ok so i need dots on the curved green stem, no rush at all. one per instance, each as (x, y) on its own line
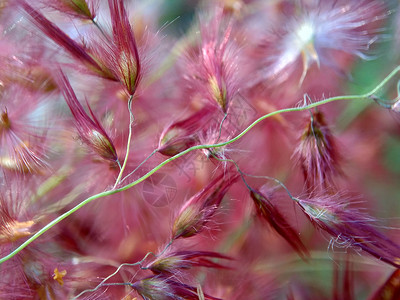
(167, 161)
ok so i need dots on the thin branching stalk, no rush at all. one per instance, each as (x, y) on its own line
(128, 144)
(139, 263)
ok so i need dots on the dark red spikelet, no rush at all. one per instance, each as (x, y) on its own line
(89, 128)
(215, 70)
(63, 40)
(267, 211)
(127, 62)
(317, 155)
(184, 134)
(349, 227)
(199, 209)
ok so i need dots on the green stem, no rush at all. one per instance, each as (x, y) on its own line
(158, 167)
(128, 144)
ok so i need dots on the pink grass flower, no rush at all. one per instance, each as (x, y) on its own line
(90, 130)
(321, 31)
(125, 55)
(184, 134)
(349, 227)
(267, 211)
(173, 262)
(317, 155)
(213, 71)
(198, 210)
(160, 287)
(73, 48)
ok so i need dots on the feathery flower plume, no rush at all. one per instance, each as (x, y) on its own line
(213, 70)
(198, 210)
(89, 128)
(266, 210)
(317, 154)
(172, 262)
(182, 135)
(319, 32)
(125, 55)
(160, 287)
(349, 227)
(69, 45)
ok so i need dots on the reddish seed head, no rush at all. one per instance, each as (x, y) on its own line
(317, 155)
(125, 60)
(267, 211)
(213, 71)
(63, 40)
(199, 209)
(182, 135)
(350, 227)
(89, 128)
